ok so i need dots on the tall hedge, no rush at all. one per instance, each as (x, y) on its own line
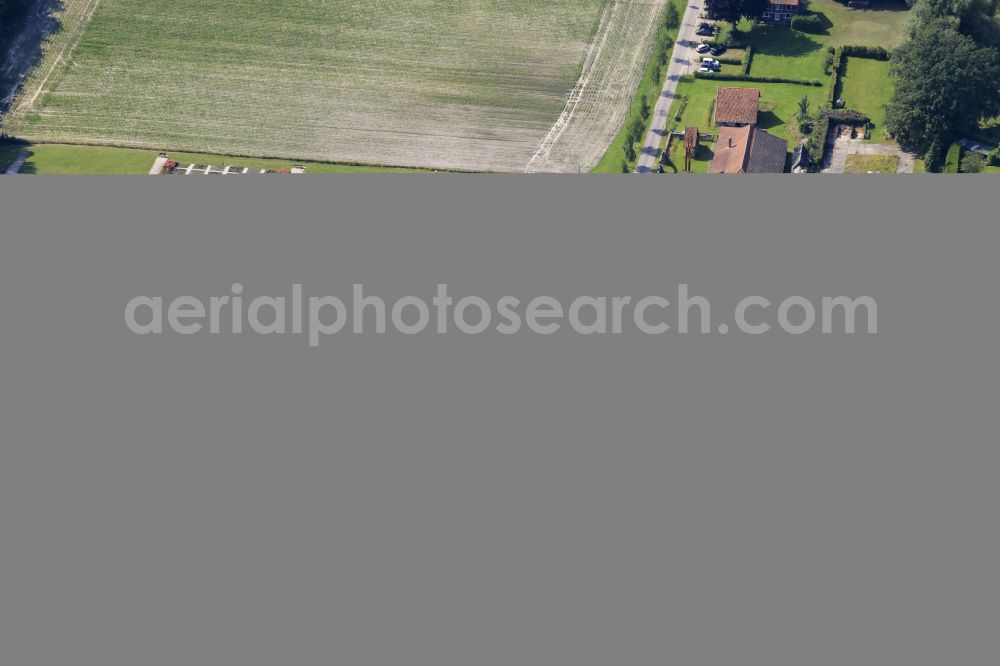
(721, 76)
(870, 52)
(811, 23)
(838, 66)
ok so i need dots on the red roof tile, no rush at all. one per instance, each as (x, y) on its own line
(737, 105)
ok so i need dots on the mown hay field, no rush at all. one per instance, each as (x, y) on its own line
(462, 84)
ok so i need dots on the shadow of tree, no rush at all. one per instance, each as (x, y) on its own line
(782, 41)
(704, 153)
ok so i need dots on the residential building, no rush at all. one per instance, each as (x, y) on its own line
(782, 11)
(748, 149)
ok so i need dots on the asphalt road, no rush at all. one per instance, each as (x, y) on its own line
(681, 62)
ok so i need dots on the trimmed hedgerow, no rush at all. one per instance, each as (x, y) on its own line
(716, 76)
(870, 52)
(748, 61)
(811, 23)
(836, 69)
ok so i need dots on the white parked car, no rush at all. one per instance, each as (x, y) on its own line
(706, 70)
(703, 48)
(710, 62)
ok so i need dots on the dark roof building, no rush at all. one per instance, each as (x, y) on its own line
(748, 150)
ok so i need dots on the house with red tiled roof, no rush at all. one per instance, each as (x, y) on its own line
(735, 107)
(748, 149)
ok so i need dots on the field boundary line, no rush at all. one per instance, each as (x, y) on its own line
(69, 46)
(590, 61)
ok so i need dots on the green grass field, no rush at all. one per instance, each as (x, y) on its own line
(50, 159)
(791, 54)
(871, 163)
(467, 84)
(865, 86)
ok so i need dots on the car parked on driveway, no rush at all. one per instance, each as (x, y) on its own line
(710, 62)
(703, 48)
(717, 51)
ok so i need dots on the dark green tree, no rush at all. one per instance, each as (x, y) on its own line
(630, 152)
(944, 85)
(672, 17)
(975, 18)
(734, 10)
(727, 10)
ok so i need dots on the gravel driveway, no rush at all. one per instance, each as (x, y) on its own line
(835, 160)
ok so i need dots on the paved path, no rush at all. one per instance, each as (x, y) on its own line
(15, 166)
(681, 62)
(158, 165)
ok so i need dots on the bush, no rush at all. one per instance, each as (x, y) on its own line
(846, 116)
(811, 23)
(995, 157)
(716, 76)
(951, 162)
(817, 140)
(973, 162)
(828, 60)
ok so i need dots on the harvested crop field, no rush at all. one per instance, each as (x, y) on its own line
(463, 84)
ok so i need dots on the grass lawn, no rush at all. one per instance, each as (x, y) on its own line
(783, 52)
(870, 163)
(779, 103)
(63, 159)
(880, 26)
(866, 87)
(992, 169)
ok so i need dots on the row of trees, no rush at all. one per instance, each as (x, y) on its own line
(947, 75)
